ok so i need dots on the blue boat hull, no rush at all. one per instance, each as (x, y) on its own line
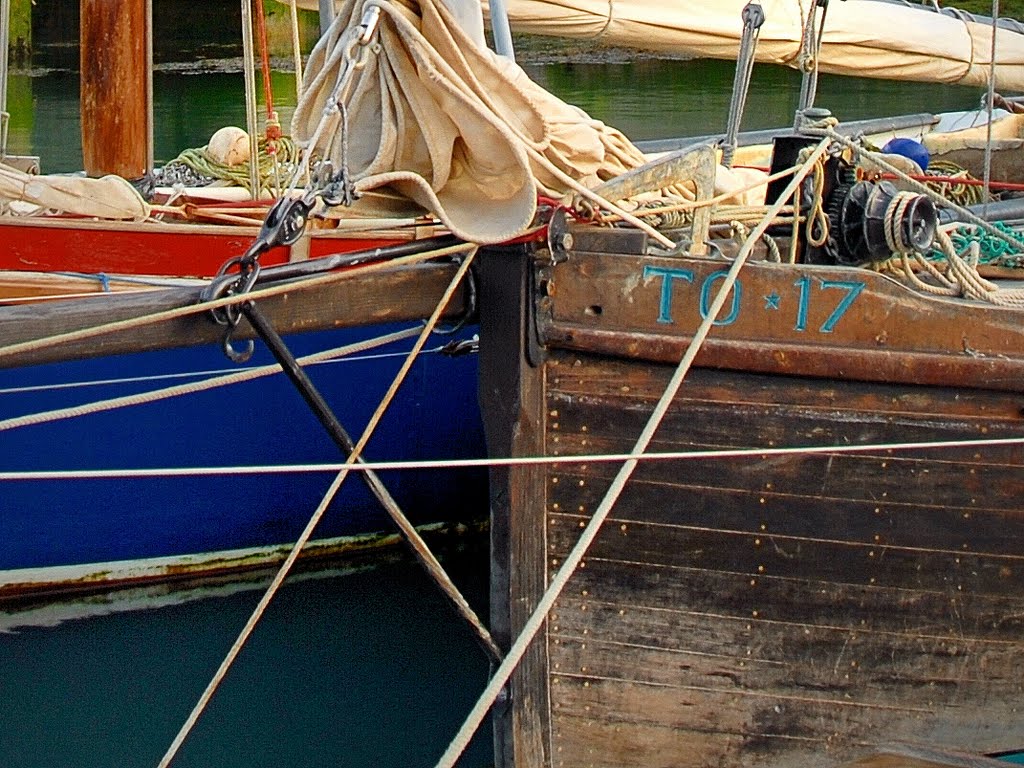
(83, 526)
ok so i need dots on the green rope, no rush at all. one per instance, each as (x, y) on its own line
(993, 250)
(274, 168)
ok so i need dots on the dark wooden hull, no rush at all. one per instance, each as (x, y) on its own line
(794, 610)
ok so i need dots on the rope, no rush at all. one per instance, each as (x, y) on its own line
(315, 519)
(891, 222)
(284, 152)
(519, 461)
(991, 251)
(561, 578)
(961, 278)
(740, 229)
(954, 183)
(215, 382)
(296, 46)
(991, 101)
(816, 218)
(268, 91)
(249, 72)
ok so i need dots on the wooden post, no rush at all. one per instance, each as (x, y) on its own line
(116, 99)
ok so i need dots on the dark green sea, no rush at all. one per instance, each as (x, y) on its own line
(362, 668)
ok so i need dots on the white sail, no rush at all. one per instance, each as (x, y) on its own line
(864, 38)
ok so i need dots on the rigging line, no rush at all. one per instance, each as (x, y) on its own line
(296, 47)
(194, 387)
(572, 561)
(990, 105)
(398, 465)
(195, 309)
(343, 356)
(307, 532)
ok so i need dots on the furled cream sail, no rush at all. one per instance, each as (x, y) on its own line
(864, 38)
(110, 197)
(447, 123)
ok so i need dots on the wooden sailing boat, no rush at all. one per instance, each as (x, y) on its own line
(757, 489)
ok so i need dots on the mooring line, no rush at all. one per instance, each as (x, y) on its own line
(194, 387)
(572, 561)
(518, 461)
(211, 372)
(307, 532)
(193, 309)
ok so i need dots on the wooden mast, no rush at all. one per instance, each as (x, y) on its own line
(115, 87)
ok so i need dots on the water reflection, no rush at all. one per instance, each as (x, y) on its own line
(645, 98)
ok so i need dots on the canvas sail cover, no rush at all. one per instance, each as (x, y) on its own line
(863, 38)
(444, 121)
(110, 197)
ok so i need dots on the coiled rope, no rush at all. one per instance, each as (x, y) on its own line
(959, 279)
(272, 165)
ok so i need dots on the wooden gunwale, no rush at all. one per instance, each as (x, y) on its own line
(352, 302)
(160, 248)
(613, 305)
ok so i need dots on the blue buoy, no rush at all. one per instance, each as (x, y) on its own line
(915, 150)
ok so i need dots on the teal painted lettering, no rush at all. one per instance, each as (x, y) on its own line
(804, 284)
(852, 289)
(706, 298)
(668, 275)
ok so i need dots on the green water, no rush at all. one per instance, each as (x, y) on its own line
(365, 669)
(645, 98)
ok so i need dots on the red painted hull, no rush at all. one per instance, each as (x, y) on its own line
(173, 250)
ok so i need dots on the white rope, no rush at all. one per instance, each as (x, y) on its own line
(519, 461)
(194, 387)
(572, 561)
(193, 375)
(307, 532)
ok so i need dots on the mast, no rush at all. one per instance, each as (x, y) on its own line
(116, 89)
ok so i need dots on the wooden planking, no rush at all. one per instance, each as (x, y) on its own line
(607, 722)
(928, 610)
(778, 607)
(768, 510)
(823, 558)
(666, 646)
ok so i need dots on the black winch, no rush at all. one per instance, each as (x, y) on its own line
(859, 212)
